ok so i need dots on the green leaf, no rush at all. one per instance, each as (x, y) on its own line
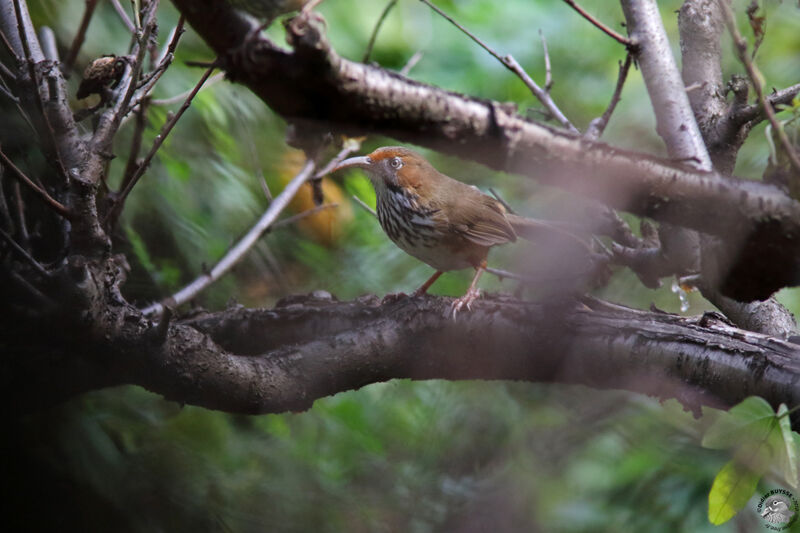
(788, 450)
(733, 486)
(752, 418)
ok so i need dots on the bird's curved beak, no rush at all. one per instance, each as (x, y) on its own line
(363, 162)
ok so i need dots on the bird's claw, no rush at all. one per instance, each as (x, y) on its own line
(464, 301)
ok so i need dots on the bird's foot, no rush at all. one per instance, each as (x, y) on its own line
(465, 301)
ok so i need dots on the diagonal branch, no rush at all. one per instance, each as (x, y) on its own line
(240, 249)
(599, 25)
(513, 65)
(42, 194)
(119, 201)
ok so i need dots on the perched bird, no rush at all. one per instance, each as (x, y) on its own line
(102, 75)
(442, 222)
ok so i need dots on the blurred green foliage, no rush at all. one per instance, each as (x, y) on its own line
(398, 456)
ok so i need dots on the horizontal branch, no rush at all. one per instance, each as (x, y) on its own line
(312, 83)
(310, 347)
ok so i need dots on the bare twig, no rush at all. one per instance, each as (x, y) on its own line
(500, 199)
(376, 29)
(411, 63)
(8, 47)
(740, 44)
(216, 78)
(349, 146)
(41, 193)
(136, 145)
(548, 75)
(123, 16)
(80, 36)
(598, 125)
(755, 112)
(364, 205)
(240, 249)
(511, 64)
(119, 202)
(23, 254)
(605, 29)
(138, 62)
(305, 214)
(165, 58)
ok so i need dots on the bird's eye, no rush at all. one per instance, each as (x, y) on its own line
(396, 162)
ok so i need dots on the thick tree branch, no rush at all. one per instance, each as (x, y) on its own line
(307, 348)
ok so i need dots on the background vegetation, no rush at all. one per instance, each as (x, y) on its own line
(398, 456)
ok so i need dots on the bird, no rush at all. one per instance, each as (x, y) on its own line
(102, 75)
(441, 221)
(777, 510)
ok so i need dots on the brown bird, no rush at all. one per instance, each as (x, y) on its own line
(442, 222)
(102, 75)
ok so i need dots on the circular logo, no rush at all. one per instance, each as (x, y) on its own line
(778, 509)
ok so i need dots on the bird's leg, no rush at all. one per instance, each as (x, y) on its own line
(472, 293)
(425, 286)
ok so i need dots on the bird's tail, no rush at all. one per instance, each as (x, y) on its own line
(536, 230)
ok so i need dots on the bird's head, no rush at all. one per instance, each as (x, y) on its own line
(393, 167)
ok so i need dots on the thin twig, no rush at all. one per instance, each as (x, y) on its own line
(216, 78)
(241, 248)
(500, 199)
(364, 205)
(9, 48)
(119, 202)
(80, 36)
(23, 254)
(141, 38)
(598, 125)
(548, 75)
(740, 44)
(511, 64)
(605, 29)
(411, 63)
(4, 71)
(41, 193)
(165, 58)
(136, 144)
(123, 16)
(745, 114)
(137, 18)
(509, 275)
(376, 29)
(300, 216)
(349, 146)
(148, 83)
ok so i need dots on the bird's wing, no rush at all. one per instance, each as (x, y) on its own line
(480, 218)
